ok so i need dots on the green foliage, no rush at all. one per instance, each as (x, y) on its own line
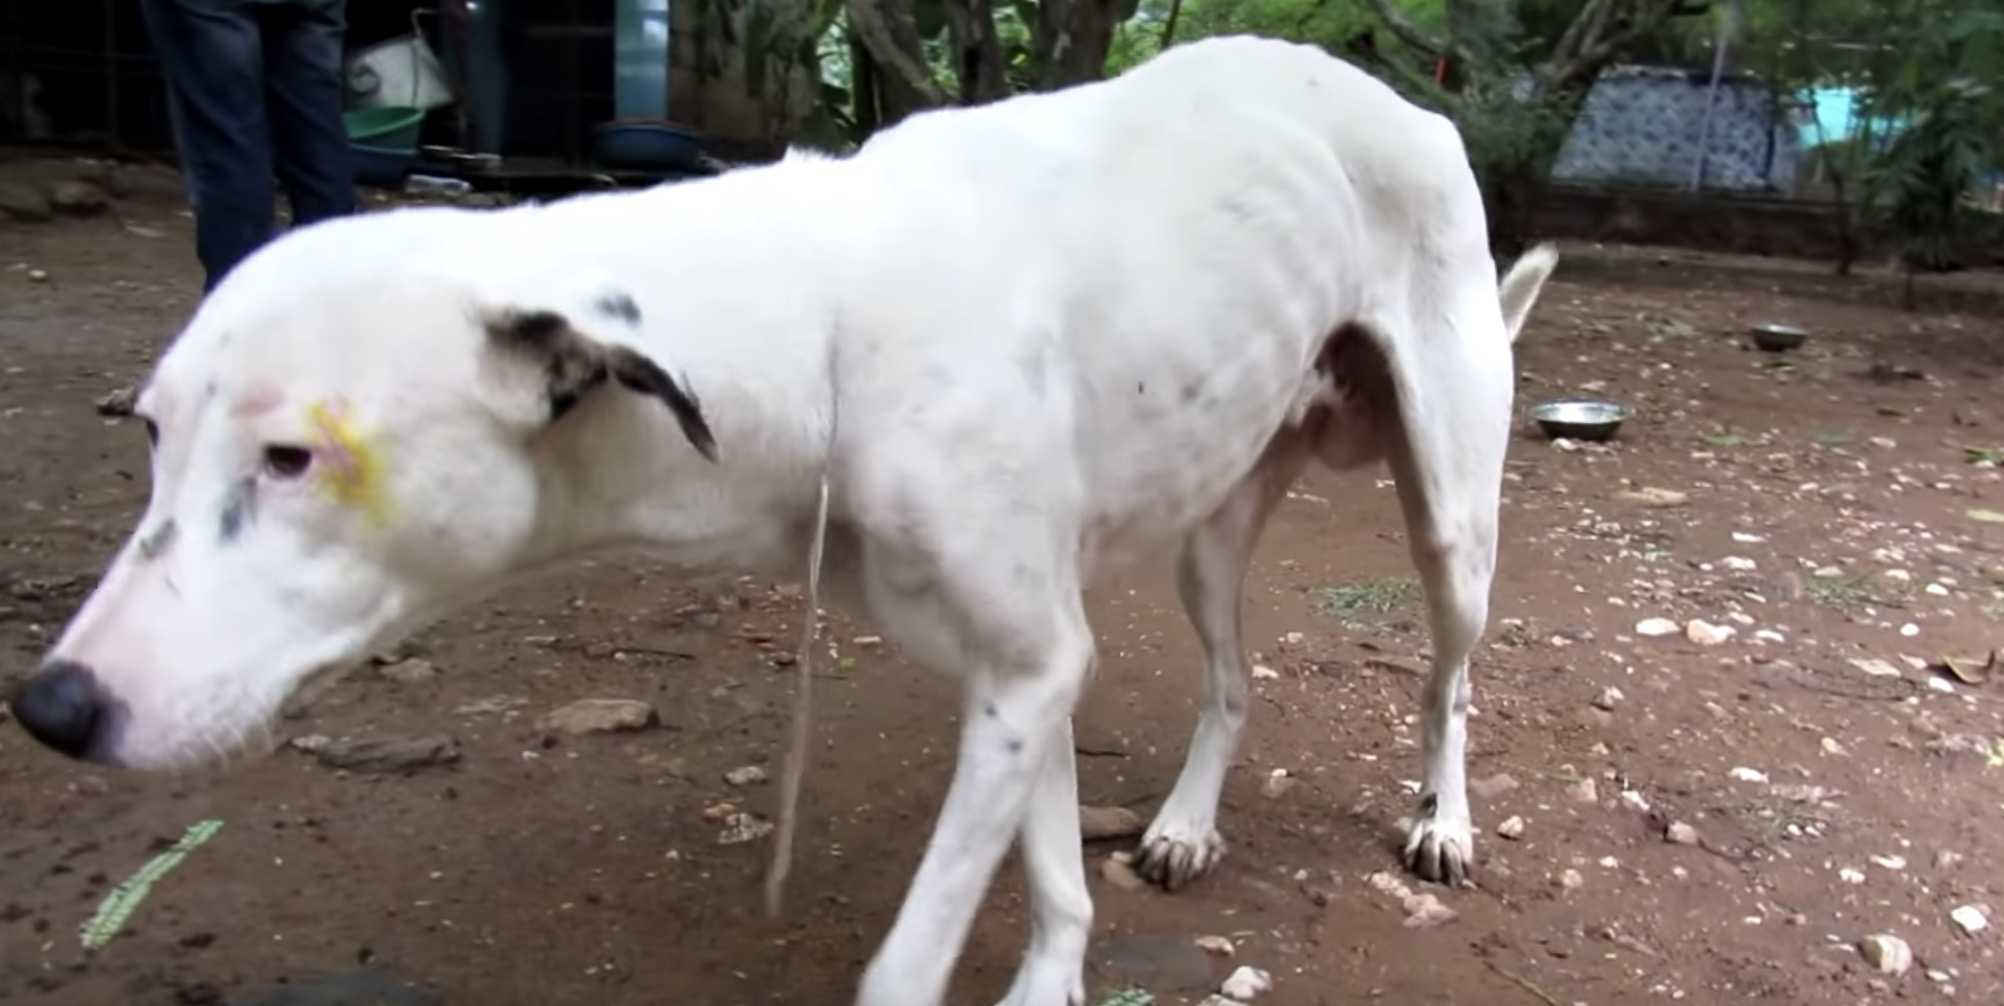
(1919, 183)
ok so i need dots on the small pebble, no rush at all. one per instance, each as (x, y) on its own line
(747, 775)
(1247, 983)
(1216, 945)
(1970, 919)
(1681, 833)
(1584, 791)
(1571, 880)
(1887, 954)
(1511, 828)
(1608, 699)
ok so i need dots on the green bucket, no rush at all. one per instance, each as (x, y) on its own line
(393, 126)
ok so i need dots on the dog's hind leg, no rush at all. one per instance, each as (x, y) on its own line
(1183, 842)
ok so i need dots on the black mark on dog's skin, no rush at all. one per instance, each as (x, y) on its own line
(616, 304)
(1014, 744)
(239, 508)
(153, 545)
(988, 710)
(575, 364)
(1429, 804)
(1192, 390)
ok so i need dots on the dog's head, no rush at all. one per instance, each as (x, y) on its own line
(348, 438)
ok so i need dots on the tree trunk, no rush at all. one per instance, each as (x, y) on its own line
(977, 50)
(1071, 39)
(889, 32)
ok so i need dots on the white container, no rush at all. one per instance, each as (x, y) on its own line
(402, 71)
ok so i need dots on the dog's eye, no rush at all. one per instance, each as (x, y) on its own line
(286, 461)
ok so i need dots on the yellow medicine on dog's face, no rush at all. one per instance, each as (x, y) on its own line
(354, 472)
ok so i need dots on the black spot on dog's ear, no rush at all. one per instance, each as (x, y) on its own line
(617, 304)
(575, 364)
(644, 375)
(572, 363)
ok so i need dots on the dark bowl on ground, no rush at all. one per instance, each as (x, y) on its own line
(1579, 418)
(383, 166)
(1775, 338)
(646, 144)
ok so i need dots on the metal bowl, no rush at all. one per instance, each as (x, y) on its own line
(1579, 418)
(1776, 338)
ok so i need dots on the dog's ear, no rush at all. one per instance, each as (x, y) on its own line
(575, 364)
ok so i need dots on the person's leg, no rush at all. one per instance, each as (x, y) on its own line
(213, 60)
(303, 86)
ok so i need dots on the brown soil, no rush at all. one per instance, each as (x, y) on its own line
(581, 870)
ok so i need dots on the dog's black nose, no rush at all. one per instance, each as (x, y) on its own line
(60, 707)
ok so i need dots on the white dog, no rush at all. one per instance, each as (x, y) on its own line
(1021, 343)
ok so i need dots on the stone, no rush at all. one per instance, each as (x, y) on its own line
(1219, 945)
(1116, 870)
(1584, 791)
(1571, 880)
(1608, 698)
(1277, 783)
(1425, 911)
(1512, 827)
(1875, 667)
(1741, 773)
(387, 754)
(415, 671)
(1655, 627)
(598, 716)
(1738, 564)
(1704, 633)
(1651, 496)
(1261, 672)
(745, 775)
(1680, 833)
(743, 827)
(1247, 984)
(78, 198)
(1970, 919)
(1494, 786)
(1100, 823)
(24, 203)
(1833, 748)
(1887, 954)
(118, 401)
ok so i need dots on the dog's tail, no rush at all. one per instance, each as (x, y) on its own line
(1520, 286)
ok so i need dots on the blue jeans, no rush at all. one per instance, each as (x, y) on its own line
(254, 90)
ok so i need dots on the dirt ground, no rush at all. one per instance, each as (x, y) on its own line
(1831, 518)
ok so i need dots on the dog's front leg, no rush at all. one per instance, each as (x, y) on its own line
(1013, 724)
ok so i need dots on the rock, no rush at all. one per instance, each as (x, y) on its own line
(309, 743)
(1655, 497)
(388, 754)
(1745, 774)
(1704, 633)
(745, 775)
(1851, 875)
(1635, 801)
(1738, 564)
(38, 275)
(1117, 871)
(1887, 954)
(1909, 630)
(1247, 984)
(598, 716)
(1680, 833)
(1494, 786)
(1425, 911)
(743, 827)
(415, 671)
(1655, 627)
(1261, 672)
(1277, 783)
(78, 198)
(1584, 791)
(1571, 880)
(118, 401)
(1386, 882)
(1608, 698)
(1947, 859)
(1970, 919)
(1099, 823)
(1216, 945)
(24, 203)
(1834, 749)
(1512, 827)
(1883, 443)
(1875, 667)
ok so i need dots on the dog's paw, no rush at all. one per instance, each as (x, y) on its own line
(1440, 848)
(1173, 859)
(1046, 982)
